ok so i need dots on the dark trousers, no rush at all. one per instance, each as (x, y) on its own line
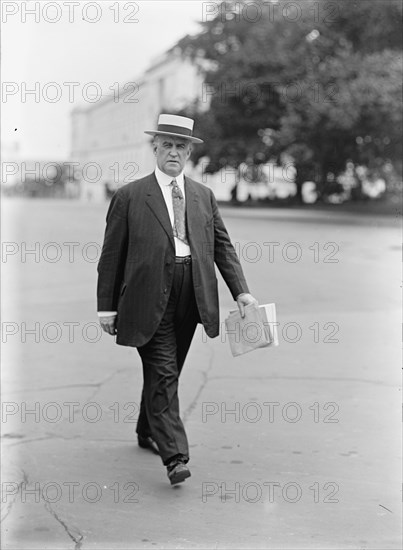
(163, 358)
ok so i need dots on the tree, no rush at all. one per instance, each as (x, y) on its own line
(321, 83)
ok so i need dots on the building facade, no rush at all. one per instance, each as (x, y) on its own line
(109, 146)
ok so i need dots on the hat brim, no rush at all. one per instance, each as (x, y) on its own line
(190, 138)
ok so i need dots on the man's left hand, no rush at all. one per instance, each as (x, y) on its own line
(244, 300)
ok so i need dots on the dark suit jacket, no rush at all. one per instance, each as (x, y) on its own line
(137, 262)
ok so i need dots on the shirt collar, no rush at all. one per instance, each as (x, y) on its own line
(165, 179)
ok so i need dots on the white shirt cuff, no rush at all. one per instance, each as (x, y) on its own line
(106, 313)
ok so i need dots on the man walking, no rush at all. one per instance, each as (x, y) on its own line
(156, 281)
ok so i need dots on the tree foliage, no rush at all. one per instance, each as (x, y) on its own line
(317, 80)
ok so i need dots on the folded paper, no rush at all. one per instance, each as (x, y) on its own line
(258, 329)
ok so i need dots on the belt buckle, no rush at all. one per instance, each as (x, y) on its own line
(187, 260)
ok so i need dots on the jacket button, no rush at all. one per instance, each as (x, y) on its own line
(165, 290)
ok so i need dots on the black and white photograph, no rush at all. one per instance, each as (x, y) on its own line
(201, 266)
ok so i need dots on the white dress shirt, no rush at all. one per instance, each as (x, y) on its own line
(164, 181)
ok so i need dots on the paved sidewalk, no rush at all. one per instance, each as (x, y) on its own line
(292, 447)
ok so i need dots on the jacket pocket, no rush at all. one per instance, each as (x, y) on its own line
(122, 290)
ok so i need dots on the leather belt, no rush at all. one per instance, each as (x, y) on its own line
(183, 259)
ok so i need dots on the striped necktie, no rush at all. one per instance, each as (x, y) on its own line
(178, 202)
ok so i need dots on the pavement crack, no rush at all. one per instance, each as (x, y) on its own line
(33, 440)
(64, 438)
(10, 505)
(72, 532)
(95, 385)
(310, 378)
(51, 388)
(99, 385)
(384, 507)
(205, 379)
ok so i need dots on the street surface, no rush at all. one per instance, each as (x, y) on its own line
(291, 447)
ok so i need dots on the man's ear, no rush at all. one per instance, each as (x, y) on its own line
(189, 152)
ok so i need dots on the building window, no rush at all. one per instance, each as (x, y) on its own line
(161, 92)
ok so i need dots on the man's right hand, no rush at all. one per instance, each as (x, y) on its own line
(108, 324)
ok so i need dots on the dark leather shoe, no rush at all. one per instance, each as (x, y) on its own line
(177, 471)
(148, 443)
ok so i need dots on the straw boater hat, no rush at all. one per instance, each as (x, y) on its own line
(177, 126)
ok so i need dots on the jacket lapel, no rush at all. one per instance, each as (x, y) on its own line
(192, 208)
(156, 202)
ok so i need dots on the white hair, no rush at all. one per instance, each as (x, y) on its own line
(157, 139)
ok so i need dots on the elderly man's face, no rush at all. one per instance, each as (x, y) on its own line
(172, 154)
